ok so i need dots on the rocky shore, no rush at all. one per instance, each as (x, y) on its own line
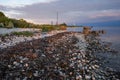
(64, 56)
(7, 39)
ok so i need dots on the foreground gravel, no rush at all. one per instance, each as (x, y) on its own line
(64, 56)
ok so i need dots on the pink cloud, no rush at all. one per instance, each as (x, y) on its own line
(105, 13)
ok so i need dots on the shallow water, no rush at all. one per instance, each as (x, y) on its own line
(112, 35)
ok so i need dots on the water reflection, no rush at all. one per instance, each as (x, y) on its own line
(112, 35)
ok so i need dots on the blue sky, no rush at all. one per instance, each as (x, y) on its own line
(70, 11)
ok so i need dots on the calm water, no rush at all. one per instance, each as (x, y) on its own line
(112, 35)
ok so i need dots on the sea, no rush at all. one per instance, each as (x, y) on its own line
(112, 35)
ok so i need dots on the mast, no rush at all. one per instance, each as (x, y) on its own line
(57, 19)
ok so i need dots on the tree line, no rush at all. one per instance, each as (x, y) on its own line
(6, 22)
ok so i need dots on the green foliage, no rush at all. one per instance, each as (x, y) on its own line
(46, 28)
(4, 19)
(2, 14)
(10, 25)
(1, 25)
(20, 23)
(63, 24)
(24, 33)
(22, 20)
(4, 35)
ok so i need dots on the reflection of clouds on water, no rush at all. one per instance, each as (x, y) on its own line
(115, 40)
(111, 38)
(112, 34)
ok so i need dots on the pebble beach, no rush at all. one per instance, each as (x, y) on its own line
(59, 55)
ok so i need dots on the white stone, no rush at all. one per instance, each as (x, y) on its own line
(9, 66)
(25, 78)
(36, 73)
(26, 65)
(87, 77)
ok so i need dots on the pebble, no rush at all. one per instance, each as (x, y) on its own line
(87, 77)
(26, 65)
(54, 57)
(79, 77)
(25, 78)
(36, 73)
(9, 66)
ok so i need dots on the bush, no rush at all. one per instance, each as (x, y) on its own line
(24, 33)
(1, 25)
(10, 25)
(46, 28)
(2, 14)
(63, 27)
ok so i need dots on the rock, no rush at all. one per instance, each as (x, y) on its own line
(79, 77)
(25, 78)
(9, 66)
(63, 56)
(26, 65)
(16, 63)
(36, 74)
(87, 77)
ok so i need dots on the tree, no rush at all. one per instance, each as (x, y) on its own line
(63, 24)
(1, 25)
(22, 20)
(2, 14)
(10, 25)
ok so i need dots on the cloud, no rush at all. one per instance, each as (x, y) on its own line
(22, 3)
(91, 16)
(13, 13)
(105, 13)
(70, 11)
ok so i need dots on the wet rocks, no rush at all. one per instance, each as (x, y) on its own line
(64, 56)
(95, 46)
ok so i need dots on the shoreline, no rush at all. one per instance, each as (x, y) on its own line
(66, 55)
(12, 40)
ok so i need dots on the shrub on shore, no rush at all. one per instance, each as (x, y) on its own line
(24, 33)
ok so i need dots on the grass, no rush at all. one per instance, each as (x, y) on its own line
(23, 33)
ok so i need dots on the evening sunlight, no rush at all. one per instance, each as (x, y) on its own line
(59, 39)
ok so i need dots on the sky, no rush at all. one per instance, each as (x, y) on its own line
(69, 11)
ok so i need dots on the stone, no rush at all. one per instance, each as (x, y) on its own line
(87, 77)
(36, 73)
(26, 65)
